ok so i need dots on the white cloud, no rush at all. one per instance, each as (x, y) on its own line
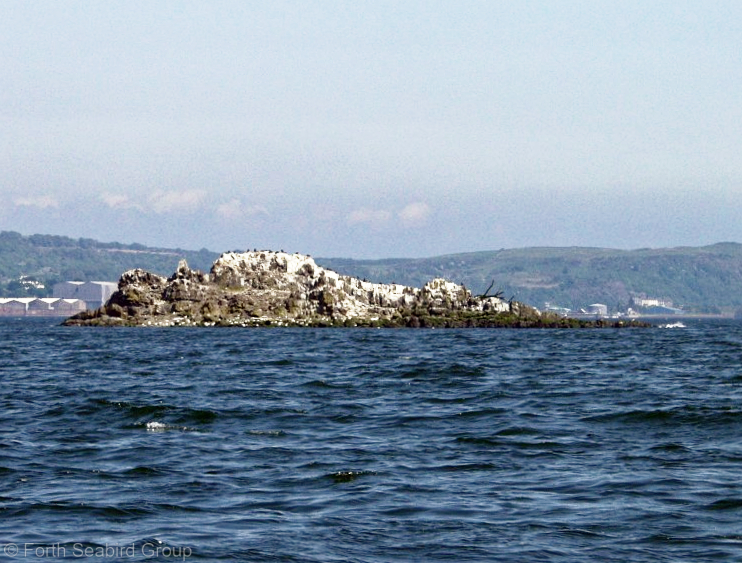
(415, 214)
(42, 202)
(235, 209)
(230, 210)
(160, 202)
(176, 202)
(370, 216)
(170, 201)
(118, 201)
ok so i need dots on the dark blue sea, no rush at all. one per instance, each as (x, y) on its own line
(370, 446)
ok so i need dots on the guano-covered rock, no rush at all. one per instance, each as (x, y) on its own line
(265, 288)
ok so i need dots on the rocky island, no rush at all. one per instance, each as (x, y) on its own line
(266, 288)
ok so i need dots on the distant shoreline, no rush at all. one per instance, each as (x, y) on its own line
(685, 316)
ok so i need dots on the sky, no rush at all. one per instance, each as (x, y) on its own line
(373, 129)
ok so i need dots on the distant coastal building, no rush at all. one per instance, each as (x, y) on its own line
(14, 306)
(598, 309)
(40, 307)
(563, 311)
(69, 299)
(644, 301)
(95, 293)
(664, 311)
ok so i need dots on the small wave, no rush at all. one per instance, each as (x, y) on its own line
(414, 418)
(268, 433)
(673, 325)
(549, 445)
(404, 511)
(105, 511)
(348, 476)
(324, 384)
(687, 414)
(725, 504)
(96, 406)
(671, 447)
(465, 370)
(466, 467)
(198, 416)
(169, 507)
(156, 426)
(145, 471)
(518, 431)
(581, 533)
(138, 412)
(484, 413)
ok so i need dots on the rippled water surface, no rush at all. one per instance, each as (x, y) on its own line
(322, 445)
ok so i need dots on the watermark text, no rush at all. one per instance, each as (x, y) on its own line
(148, 550)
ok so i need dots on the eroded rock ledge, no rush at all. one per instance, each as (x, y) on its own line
(264, 288)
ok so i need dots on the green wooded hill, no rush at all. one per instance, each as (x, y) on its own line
(705, 279)
(48, 259)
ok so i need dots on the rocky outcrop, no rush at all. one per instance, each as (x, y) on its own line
(264, 288)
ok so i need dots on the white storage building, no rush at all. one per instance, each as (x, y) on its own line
(94, 293)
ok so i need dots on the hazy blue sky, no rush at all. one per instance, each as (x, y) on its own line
(373, 129)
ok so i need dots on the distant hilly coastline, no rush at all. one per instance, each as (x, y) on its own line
(31, 265)
(704, 279)
(697, 279)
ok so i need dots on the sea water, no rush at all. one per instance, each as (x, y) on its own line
(363, 445)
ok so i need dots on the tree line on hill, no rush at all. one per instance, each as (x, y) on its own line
(697, 279)
(31, 265)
